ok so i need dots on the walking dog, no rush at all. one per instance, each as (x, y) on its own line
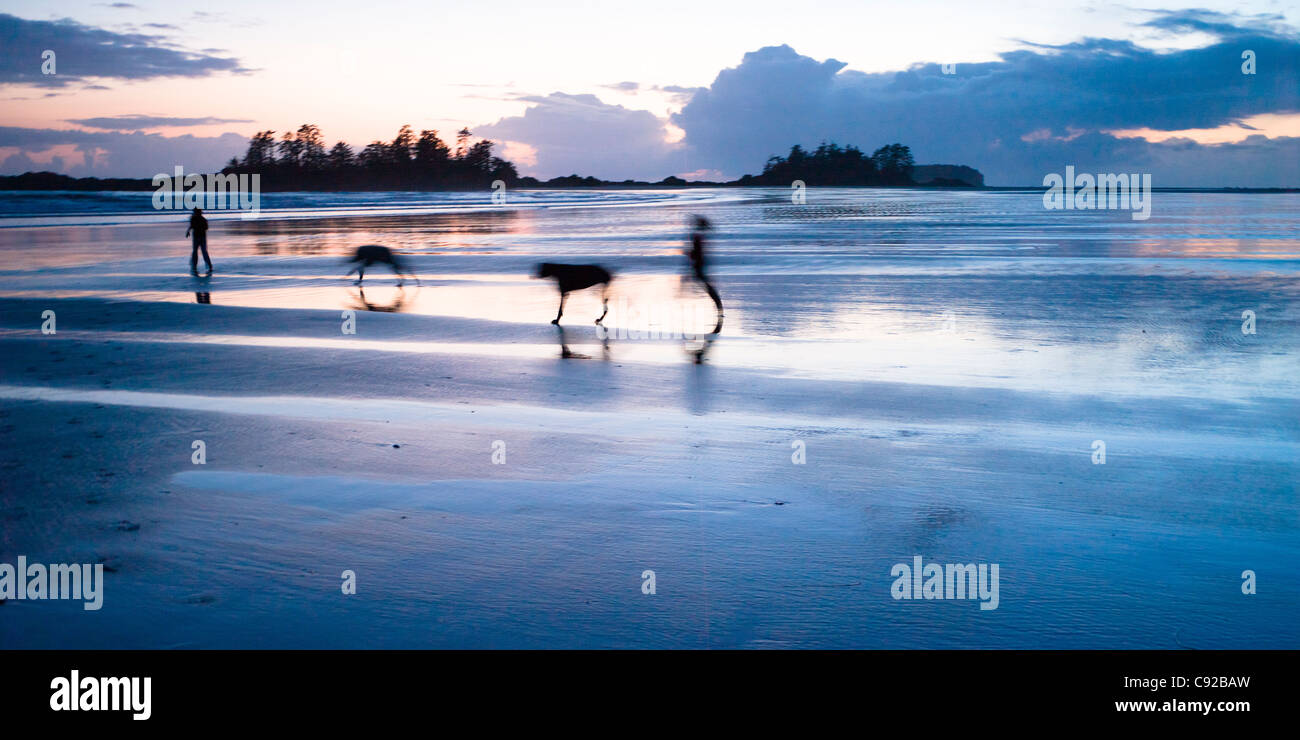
(576, 277)
(370, 254)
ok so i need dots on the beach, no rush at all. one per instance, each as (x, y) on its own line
(901, 372)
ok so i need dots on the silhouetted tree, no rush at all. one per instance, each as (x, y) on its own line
(261, 151)
(478, 158)
(401, 149)
(300, 161)
(375, 157)
(462, 137)
(504, 170)
(431, 154)
(340, 158)
(830, 164)
(311, 148)
(290, 151)
(895, 164)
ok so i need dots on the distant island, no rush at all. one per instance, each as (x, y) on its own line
(299, 161)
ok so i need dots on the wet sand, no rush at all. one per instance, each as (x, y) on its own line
(947, 399)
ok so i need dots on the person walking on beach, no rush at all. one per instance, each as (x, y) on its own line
(199, 227)
(698, 261)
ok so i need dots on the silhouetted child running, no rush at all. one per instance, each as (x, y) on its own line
(698, 262)
(199, 226)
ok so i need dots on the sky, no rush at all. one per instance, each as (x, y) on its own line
(698, 89)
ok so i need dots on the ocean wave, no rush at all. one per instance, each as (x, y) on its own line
(74, 208)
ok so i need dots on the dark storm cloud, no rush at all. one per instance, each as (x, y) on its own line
(1051, 95)
(1031, 112)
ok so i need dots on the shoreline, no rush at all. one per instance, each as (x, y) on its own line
(146, 186)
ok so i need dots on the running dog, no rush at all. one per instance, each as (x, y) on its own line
(576, 277)
(372, 253)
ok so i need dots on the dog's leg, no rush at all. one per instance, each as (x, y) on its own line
(361, 272)
(563, 297)
(604, 295)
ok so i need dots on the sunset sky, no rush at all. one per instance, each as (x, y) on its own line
(702, 89)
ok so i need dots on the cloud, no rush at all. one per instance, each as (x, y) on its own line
(87, 52)
(19, 162)
(200, 16)
(1220, 25)
(136, 122)
(678, 94)
(1032, 112)
(580, 134)
(113, 154)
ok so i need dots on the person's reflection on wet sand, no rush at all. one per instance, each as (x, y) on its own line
(396, 305)
(699, 388)
(203, 297)
(699, 346)
(568, 354)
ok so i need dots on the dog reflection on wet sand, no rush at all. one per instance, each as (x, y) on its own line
(568, 354)
(361, 303)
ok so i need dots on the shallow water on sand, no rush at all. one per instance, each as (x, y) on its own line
(948, 287)
(949, 358)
